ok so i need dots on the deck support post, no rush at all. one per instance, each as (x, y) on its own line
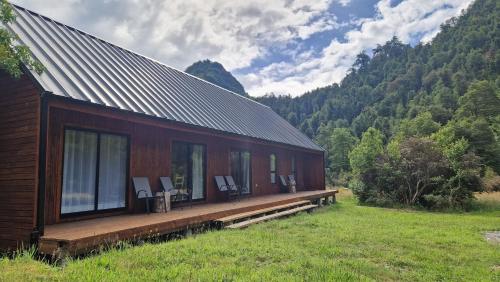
(331, 200)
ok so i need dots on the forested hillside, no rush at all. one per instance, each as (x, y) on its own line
(445, 93)
(399, 81)
(215, 73)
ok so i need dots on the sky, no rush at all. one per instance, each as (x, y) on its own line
(271, 46)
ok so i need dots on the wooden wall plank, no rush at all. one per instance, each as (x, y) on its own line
(19, 126)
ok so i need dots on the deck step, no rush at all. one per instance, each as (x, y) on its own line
(246, 223)
(240, 216)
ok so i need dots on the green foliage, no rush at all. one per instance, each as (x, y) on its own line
(215, 73)
(342, 142)
(419, 172)
(422, 125)
(362, 157)
(12, 55)
(491, 180)
(481, 100)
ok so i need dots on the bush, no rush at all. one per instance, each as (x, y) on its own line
(491, 181)
(492, 184)
(342, 179)
(417, 173)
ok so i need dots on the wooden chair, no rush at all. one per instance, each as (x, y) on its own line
(234, 189)
(222, 186)
(143, 191)
(175, 193)
(283, 184)
(179, 182)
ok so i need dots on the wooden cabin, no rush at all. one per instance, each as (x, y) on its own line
(73, 137)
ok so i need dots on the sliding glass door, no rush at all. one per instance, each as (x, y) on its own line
(188, 168)
(241, 169)
(112, 172)
(94, 171)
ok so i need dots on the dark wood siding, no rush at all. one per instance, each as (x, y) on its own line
(150, 145)
(19, 123)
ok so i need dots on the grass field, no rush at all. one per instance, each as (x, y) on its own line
(342, 242)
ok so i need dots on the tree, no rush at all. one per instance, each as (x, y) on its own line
(422, 125)
(292, 118)
(13, 55)
(423, 166)
(362, 61)
(342, 142)
(480, 100)
(362, 157)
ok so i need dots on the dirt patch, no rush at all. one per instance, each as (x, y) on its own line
(492, 237)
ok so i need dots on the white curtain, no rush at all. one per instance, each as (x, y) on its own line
(79, 176)
(197, 171)
(112, 172)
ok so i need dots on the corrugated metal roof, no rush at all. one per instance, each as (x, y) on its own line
(86, 68)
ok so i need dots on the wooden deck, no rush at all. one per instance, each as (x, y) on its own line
(79, 237)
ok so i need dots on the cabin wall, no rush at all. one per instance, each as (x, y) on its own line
(150, 148)
(19, 129)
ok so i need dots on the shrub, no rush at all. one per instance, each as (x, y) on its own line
(492, 184)
(491, 181)
(416, 172)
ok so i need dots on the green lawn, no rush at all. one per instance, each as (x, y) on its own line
(340, 242)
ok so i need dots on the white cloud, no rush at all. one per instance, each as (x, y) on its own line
(406, 20)
(344, 2)
(180, 32)
(236, 33)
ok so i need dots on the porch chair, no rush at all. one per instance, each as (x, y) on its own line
(234, 189)
(167, 186)
(143, 191)
(222, 185)
(283, 184)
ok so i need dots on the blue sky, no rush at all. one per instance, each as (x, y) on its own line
(271, 46)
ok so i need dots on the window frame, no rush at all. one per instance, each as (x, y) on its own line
(205, 167)
(95, 211)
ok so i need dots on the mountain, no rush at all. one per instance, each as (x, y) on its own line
(399, 84)
(215, 73)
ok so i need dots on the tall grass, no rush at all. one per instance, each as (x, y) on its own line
(344, 242)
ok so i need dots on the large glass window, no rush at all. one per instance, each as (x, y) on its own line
(112, 172)
(95, 171)
(272, 165)
(188, 169)
(240, 169)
